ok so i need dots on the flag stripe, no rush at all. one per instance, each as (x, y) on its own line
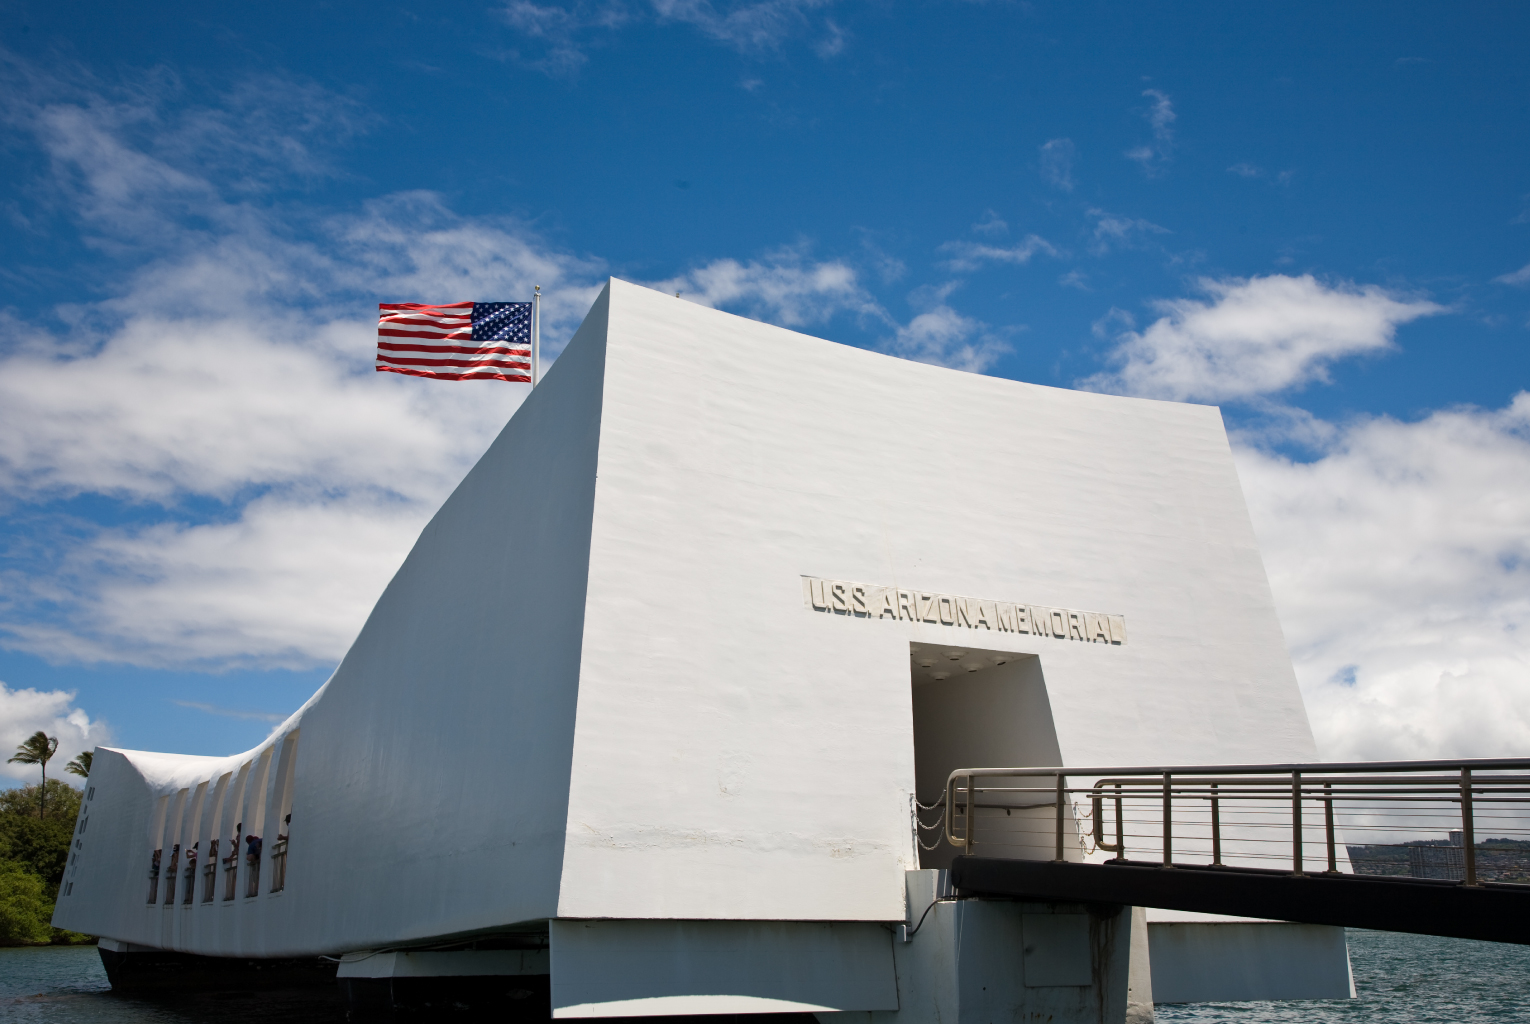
(455, 340)
(425, 321)
(389, 346)
(465, 334)
(395, 361)
(520, 378)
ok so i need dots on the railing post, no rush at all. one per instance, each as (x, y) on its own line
(971, 814)
(1296, 823)
(1062, 792)
(1120, 827)
(1468, 837)
(1333, 853)
(1216, 828)
(950, 812)
(1168, 820)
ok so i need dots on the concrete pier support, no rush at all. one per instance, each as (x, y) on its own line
(145, 970)
(511, 984)
(979, 961)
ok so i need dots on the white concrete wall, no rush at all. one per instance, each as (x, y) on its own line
(984, 961)
(738, 755)
(1239, 961)
(594, 690)
(430, 794)
(658, 968)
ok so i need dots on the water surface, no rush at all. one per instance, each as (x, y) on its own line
(1399, 979)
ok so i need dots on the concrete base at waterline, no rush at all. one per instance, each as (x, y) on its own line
(511, 984)
(654, 968)
(1239, 961)
(976, 961)
(145, 970)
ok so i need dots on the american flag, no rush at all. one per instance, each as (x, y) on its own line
(455, 341)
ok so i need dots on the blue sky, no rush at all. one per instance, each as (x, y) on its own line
(1315, 216)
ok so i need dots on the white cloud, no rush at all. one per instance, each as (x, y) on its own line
(1254, 336)
(785, 287)
(1520, 276)
(213, 407)
(833, 41)
(1154, 156)
(24, 712)
(1057, 157)
(991, 225)
(1114, 231)
(564, 28)
(260, 481)
(1247, 170)
(567, 30)
(1401, 568)
(750, 27)
(225, 399)
(287, 583)
(967, 255)
(213, 709)
(944, 337)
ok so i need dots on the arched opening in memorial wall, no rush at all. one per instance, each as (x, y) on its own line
(980, 708)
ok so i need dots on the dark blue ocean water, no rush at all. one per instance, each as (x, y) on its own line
(1400, 979)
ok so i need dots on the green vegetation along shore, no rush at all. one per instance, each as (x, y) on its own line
(34, 850)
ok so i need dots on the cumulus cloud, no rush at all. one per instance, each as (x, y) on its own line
(251, 482)
(223, 402)
(1057, 157)
(24, 712)
(1401, 568)
(942, 336)
(785, 287)
(286, 583)
(1154, 157)
(967, 255)
(1254, 336)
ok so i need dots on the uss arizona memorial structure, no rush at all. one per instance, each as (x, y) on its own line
(645, 714)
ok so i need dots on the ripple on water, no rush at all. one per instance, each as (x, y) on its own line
(67, 985)
(1399, 979)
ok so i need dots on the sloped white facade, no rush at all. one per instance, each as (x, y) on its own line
(599, 686)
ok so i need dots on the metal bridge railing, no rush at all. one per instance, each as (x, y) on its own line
(1418, 818)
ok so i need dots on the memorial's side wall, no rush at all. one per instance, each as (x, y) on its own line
(428, 791)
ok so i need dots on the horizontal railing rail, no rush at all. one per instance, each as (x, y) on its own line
(1427, 813)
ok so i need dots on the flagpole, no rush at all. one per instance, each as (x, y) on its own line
(536, 334)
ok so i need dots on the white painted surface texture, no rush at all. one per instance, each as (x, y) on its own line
(1196, 962)
(651, 968)
(639, 718)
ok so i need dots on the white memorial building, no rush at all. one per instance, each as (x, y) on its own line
(645, 713)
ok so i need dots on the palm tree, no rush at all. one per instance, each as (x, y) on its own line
(38, 748)
(81, 764)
